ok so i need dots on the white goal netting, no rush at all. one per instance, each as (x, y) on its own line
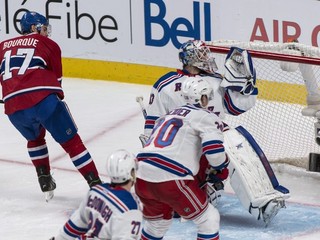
(276, 121)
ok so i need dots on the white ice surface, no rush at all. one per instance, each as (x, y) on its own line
(109, 118)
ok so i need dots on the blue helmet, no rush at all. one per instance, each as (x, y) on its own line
(32, 18)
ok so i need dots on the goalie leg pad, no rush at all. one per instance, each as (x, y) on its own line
(251, 175)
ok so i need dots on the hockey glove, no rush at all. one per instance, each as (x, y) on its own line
(240, 74)
(215, 184)
(214, 192)
(143, 139)
(215, 176)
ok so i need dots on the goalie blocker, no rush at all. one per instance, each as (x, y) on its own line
(252, 177)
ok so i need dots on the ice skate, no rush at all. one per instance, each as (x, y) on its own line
(47, 183)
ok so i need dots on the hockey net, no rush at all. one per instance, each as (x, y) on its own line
(276, 121)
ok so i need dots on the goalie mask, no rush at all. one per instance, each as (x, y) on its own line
(196, 53)
(197, 91)
(121, 166)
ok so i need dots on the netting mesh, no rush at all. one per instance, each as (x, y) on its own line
(276, 121)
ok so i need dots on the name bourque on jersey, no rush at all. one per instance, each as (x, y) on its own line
(177, 142)
(30, 70)
(166, 95)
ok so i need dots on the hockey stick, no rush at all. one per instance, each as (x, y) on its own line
(143, 138)
(139, 100)
(1, 101)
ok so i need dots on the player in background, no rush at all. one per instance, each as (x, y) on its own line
(169, 162)
(233, 93)
(313, 93)
(308, 75)
(31, 75)
(110, 210)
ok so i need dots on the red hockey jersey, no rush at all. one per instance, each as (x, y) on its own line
(30, 70)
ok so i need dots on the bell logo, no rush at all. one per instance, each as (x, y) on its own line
(180, 27)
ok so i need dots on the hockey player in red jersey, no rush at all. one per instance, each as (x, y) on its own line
(31, 74)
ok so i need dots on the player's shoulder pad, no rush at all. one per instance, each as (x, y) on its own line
(129, 200)
(203, 111)
(47, 40)
(117, 196)
(166, 80)
(211, 116)
(214, 75)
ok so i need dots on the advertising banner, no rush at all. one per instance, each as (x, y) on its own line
(149, 32)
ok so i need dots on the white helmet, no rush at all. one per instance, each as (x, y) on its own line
(196, 53)
(193, 88)
(121, 166)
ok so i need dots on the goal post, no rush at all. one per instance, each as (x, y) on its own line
(276, 121)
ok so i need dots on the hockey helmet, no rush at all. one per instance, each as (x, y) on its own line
(121, 166)
(32, 18)
(193, 89)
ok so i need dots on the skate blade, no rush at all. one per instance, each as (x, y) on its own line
(48, 195)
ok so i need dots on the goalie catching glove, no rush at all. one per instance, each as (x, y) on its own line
(240, 74)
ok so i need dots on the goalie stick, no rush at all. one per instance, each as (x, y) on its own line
(139, 100)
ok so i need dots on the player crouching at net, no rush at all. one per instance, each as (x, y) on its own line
(169, 162)
(110, 210)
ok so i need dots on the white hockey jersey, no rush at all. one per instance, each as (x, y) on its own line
(106, 213)
(177, 143)
(166, 95)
